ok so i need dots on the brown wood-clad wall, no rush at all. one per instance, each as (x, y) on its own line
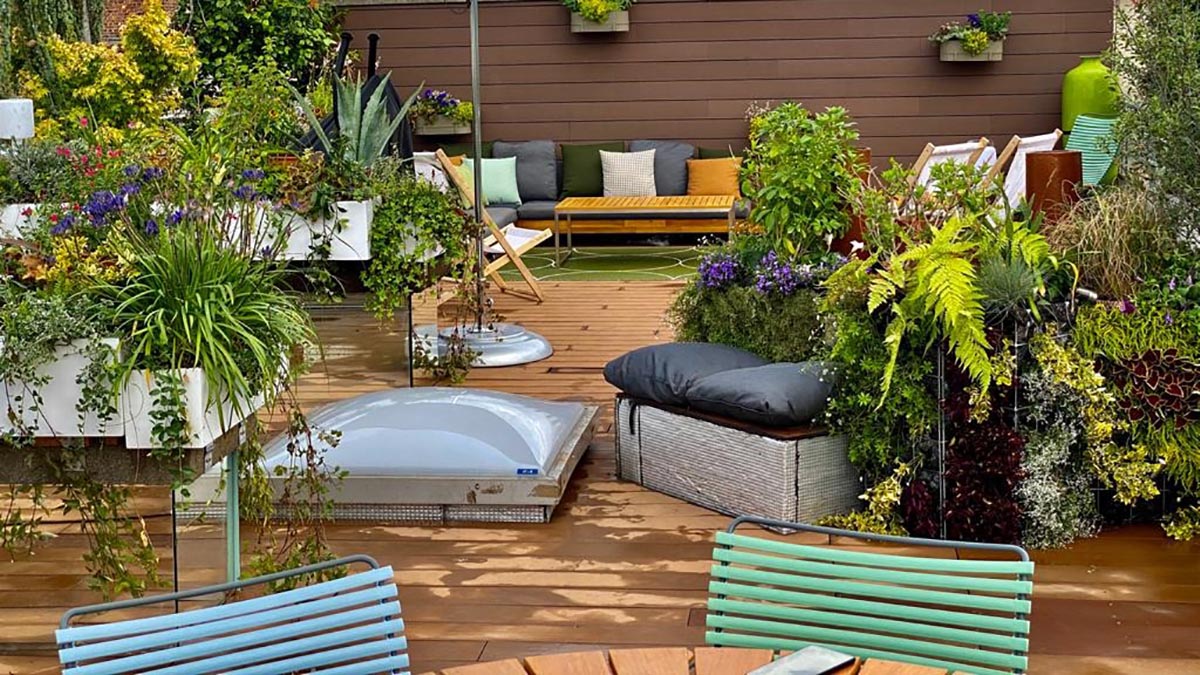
(687, 69)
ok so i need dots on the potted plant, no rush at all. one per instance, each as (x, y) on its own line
(979, 38)
(437, 113)
(599, 16)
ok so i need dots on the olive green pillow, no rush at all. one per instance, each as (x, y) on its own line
(467, 149)
(583, 174)
(717, 153)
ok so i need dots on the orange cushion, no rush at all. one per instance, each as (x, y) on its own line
(714, 176)
(457, 160)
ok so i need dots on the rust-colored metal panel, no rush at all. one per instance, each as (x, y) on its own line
(687, 69)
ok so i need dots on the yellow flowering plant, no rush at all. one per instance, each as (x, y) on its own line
(597, 10)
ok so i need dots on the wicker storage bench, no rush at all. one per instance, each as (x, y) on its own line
(800, 474)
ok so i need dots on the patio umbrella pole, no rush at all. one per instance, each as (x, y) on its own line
(495, 344)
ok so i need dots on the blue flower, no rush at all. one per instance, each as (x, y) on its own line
(151, 227)
(1168, 319)
(973, 19)
(101, 204)
(152, 173)
(245, 192)
(64, 225)
(130, 189)
(174, 217)
(718, 270)
(132, 170)
(253, 174)
(1171, 284)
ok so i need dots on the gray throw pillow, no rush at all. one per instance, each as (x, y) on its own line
(537, 177)
(664, 373)
(776, 395)
(670, 164)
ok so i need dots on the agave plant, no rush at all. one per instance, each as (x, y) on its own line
(364, 130)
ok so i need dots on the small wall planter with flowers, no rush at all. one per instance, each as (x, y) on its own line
(599, 16)
(978, 39)
(436, 113)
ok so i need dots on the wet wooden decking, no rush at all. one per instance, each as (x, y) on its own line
(619, 566)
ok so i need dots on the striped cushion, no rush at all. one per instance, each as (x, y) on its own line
(628, 174)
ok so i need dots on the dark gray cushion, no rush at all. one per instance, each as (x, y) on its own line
(775, 395)
(670, 164)
(536, 210)
(502, 214)
(536, 174)
(664, 373)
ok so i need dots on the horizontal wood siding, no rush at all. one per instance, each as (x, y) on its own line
(688, 69)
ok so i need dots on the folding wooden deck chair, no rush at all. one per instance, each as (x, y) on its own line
(971, 152)
(1014, 156)
(507, 244)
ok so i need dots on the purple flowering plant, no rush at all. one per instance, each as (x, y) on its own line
(433, 103)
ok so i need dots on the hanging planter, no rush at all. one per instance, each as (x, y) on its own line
(347, 233)
(60, 391)
(952, 51)
(979, 39)
(206, 422)
(599, 16)
(441, 125)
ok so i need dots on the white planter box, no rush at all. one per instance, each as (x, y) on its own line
(352, 242)
(441, 126)
(58, 415)
(206, 423)
(13, 218)
(617, 22)
(952, 52)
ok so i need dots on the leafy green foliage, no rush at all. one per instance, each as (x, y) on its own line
(881, 514)
(258, 104)
(1184, 524)
(597, 10)
(798, 174)
(417, 230)
(232, 35)
(1154, 58)
(777, 328)
(364, 132)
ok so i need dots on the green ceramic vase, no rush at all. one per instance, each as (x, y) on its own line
(1087, 90)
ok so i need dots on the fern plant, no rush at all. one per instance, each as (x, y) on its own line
(931, 289)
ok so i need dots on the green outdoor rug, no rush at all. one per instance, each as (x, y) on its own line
(621, 263)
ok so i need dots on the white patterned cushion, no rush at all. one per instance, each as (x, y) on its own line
(628, 174)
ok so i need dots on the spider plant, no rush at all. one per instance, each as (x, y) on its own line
(195, 302)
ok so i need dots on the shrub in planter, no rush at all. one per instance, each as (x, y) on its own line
(433, 104)
(799, 172)
(597, 11)
(981, 33)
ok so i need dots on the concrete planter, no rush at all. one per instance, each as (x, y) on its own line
(349, 233)
(206, 422)
(13, 218)
(952, 52)
(57, 415)
(440, 126)
(617, 22)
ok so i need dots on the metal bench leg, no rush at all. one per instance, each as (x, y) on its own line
(557, 254)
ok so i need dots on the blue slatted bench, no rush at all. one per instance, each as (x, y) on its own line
(346, 626)
(965, 616)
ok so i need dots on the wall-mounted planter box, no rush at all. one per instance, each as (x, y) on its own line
(952, 52)
(617, 22)
(206, 422)
(57, 415)
(349, 233)
(440, 126)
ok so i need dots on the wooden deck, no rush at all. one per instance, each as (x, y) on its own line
(619, 566)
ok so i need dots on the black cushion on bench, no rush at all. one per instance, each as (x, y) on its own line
(775, 395)
(664, 373)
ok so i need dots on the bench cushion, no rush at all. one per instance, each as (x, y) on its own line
(583, 175)
(536, 210)
(775, 395)
(537, 175)
(628, 174)
(503, 214)
(664, 373)
(714, 176)
(670, 164)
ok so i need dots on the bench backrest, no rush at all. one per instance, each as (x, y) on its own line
(346, 626)
(965, 616)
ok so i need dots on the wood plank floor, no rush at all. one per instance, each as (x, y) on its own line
(619, 566)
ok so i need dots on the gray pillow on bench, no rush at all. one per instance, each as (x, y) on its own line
(775, 395)
(664, 373)
(670, 164)
(537, 175)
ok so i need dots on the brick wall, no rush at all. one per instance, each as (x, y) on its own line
(116, 11)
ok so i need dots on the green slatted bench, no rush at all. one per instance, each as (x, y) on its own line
(345, 626)
(966, 616)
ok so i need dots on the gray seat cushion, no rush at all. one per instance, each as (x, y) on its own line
(537, 175)
(664, 373)
(775, 395)
(536, 210)
(670, 164)
(502, 214)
